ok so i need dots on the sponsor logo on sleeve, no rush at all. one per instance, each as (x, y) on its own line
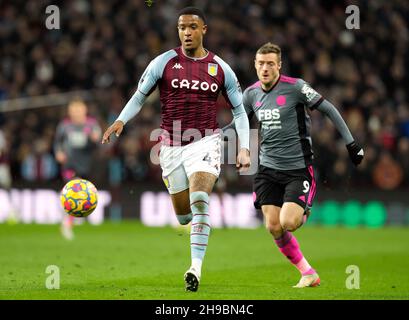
(309, 92)
(238, 85)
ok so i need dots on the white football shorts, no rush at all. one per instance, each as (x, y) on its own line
(178, 163)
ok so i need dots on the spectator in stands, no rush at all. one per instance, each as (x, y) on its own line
(39, 164)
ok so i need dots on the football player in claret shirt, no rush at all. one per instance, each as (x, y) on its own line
(190, 79)
(285, 186)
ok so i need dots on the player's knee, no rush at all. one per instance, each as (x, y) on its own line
(184, 219)
(290, 223)
(275, 229)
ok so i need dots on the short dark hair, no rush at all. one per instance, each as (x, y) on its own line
(194, 11)
(270, 48)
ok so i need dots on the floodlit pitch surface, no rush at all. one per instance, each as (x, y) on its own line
(131, 261)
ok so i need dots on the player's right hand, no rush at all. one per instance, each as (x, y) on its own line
(356, 153)
(116, 128)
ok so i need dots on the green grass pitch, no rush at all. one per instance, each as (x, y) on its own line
(131, 261)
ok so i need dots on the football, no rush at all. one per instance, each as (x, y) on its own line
(79, 198)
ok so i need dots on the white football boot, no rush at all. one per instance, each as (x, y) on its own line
(309, 280)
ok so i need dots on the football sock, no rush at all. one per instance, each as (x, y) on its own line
(184, 218)
(197, 264)
(289, 247)
(200, 230)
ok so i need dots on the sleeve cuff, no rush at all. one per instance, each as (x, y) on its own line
(316, 105)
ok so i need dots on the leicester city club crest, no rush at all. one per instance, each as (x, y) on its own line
(212, 69)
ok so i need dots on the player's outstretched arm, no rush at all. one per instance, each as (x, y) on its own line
(356, 153)
(146, 85)
(116, 128)
(130, 110)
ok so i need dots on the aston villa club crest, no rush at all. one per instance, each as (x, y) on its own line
(212, 69)
(166, 181)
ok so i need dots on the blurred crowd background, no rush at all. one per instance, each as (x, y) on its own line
(104, 46)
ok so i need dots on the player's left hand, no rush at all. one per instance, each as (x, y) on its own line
(243, 160)
(356, 153)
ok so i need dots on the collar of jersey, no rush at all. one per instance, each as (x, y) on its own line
(274, 85)
(195, 59)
